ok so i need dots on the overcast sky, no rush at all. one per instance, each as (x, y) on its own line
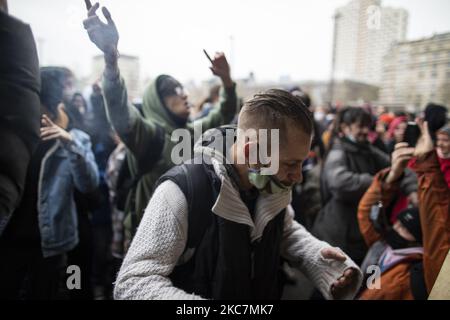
(271, 38)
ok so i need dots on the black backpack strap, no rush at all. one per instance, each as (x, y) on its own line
(200, 186)
(417, 281)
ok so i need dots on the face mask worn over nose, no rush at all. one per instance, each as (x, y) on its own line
(266, 183)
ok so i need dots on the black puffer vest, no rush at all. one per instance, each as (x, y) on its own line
(222, 262)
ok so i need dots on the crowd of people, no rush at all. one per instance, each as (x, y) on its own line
(90, 181)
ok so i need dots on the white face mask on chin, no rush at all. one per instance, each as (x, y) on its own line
(351, 138)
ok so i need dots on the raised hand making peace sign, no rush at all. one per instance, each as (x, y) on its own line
(104, 35)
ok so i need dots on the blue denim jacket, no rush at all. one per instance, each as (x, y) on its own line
(63, 169)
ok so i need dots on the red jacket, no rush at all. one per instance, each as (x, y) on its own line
(445, 168)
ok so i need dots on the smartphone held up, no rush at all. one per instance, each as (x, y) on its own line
(412, 134)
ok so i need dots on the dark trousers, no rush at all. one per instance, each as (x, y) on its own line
(82, 256)
(102, 271)
(26, 274)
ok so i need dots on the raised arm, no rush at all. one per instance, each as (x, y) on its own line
(384, 188)
(134, 131)
(81, 159)
(434, 207)
(104, 35)
(228, 98)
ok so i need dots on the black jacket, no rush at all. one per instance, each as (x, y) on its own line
(347, 174)
(19, 110)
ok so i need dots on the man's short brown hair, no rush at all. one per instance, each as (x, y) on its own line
(275, 109)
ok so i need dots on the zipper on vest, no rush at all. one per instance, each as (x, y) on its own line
(252, 269)
(253, 247)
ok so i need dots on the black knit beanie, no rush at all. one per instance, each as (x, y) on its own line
(410, 219)
(436, 115)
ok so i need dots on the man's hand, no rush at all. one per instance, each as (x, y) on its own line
(425, 143)
(221, 68)
(348, 278)
(400, 157)
(50, 131)
(344, 283)
(104, 35)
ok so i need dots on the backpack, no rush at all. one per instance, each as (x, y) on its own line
(201, 186)
(417, 281)
(191, 179)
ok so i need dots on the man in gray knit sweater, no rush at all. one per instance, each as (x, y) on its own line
(247, 209)
(250, 228)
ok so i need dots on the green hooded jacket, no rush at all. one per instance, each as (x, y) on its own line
(139, 133)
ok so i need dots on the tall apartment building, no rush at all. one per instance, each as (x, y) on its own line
(364, 31)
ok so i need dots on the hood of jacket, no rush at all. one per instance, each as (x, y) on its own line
(154, 108)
